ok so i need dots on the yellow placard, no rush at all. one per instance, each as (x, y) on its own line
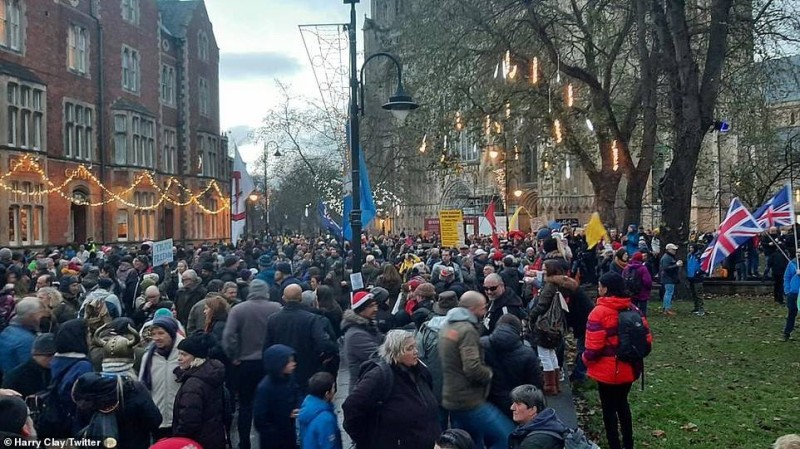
(451, 226)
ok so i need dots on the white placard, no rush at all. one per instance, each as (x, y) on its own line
(162, 252)
(356, 282)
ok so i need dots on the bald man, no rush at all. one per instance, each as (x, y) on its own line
(466, 377)
(303, 331)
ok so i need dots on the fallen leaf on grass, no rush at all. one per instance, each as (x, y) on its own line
(690, 427)
(659, 434)
(777, 419)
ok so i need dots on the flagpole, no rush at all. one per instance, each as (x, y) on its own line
(794, 223)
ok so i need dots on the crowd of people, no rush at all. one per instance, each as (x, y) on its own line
(453, 348)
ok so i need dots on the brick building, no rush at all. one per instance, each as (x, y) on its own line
(128, 90)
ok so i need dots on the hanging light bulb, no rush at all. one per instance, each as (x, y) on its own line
(570, 95)
(557, 131)
(488, 126)
(459, 121)
(498, 127)
(568, 170)
(511, 70)
(424, 146)
(508, 109)
(615, 155)
(589, 125)
(535, 71)
(445, 144)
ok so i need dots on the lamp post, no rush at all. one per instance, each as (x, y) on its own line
(266, 185)
(399, 105)
(253, 197)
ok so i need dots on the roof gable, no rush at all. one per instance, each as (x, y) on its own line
(176, 15)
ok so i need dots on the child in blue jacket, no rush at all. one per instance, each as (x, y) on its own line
(319, 428)
(275, 405)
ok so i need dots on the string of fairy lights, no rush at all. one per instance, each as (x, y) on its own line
(509, 71)
(30, 164)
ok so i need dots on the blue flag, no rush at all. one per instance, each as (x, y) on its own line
(327, 221)
(368, 209)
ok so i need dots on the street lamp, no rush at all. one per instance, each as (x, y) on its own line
(399, 104)
(266, 186)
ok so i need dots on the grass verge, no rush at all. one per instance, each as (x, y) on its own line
(724, 380)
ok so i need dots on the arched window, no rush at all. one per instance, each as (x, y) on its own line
(202, 46)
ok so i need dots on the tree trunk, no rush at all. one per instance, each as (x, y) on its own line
(605, 186)
(676, 188)
(634, 194)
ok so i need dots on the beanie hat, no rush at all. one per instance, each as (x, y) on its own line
(196, 344)
(230, 261)
(380, 294)
(414, 283)
(71, 337)
(258, 290)
(168, 323)
(638, 257)
(45, 344)
(614, 283)
(542, 234)
(264, 260)
(162, 311)
(208, 266)
(361, 299)
(447, 300)
(13, 414)
(245, 274)
(284, 268)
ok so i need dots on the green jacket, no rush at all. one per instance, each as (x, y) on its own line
(466, 378)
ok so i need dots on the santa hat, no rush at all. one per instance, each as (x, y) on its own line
(361, 299)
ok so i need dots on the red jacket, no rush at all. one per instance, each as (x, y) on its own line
(602, 341)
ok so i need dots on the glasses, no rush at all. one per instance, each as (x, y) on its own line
(490, 288)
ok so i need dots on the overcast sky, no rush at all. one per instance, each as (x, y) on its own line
(259, 41)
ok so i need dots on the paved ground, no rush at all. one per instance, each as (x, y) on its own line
(562, 404)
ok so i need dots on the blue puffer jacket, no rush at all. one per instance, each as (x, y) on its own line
(67, 370)
(791, 281)
(319, 428)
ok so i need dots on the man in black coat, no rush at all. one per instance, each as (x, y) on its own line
(448, 281)
(303, 331)
(502, 300)
(189, 295)
(513, 364)
(33, 376)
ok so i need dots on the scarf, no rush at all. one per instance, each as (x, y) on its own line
(147, 376)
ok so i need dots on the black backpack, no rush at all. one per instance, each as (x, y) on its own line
(387, 377)
(632, 333)
(48, 416)
(633, 282)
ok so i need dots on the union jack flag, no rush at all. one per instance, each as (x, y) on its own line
(777, 211)
(738, 227)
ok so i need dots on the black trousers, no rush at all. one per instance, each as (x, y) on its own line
(777, 289)
(616, 414)
(250, 373)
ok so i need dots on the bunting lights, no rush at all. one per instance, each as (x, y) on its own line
(424, 145)
(570, 94)
(615, 155)
(459, 121)
(29, 164)
(535, 71)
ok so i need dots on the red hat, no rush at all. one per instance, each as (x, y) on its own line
(415, 282)
(361, 299)
(176, 443)
(616, 245)
(498, 255)
(638, 257)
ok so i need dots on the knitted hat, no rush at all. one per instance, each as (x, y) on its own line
(13, 414)
(196, 344)
(230, 261)
(265, 260)
(258, 290)
(414, 283)
(361, 299)
(284, 268)
(380, 294)
(480, 252)
(168, 323)
(542, 234)
(45, 344)
(550, 244)
(105, 283)
(638, 257)
(614, 283)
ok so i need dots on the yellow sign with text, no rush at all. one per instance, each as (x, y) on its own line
(451, 226)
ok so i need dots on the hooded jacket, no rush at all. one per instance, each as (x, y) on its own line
(466, 378)
(602, 342)
(644, 274)
(200, 404)
(508, 302)
(319, 428)
(277, 395)
(16, 342)
(361, 340)
(552, 285)
(243, 335)
(428, 347)
(512, 363)
(69, 363)
(164, 387)
(186, 299)
(527, 436)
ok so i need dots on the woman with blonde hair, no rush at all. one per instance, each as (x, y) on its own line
(393, 404)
